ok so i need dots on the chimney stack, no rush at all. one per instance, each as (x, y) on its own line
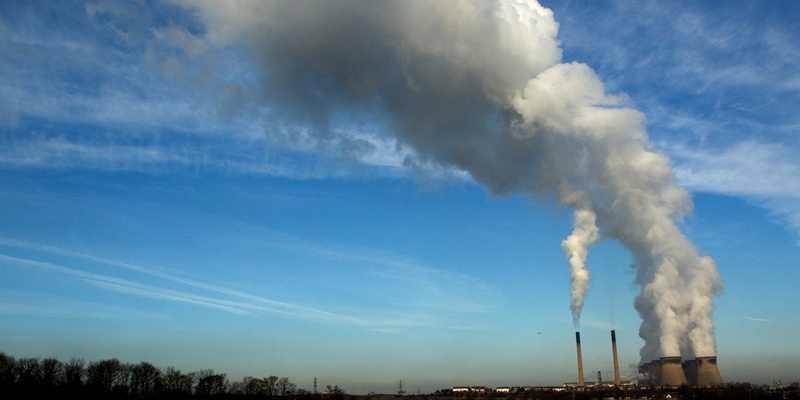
(672, 372)
(707, 372)
(580, 360)
(616, 361)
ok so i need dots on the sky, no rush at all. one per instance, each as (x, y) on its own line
(212, 185)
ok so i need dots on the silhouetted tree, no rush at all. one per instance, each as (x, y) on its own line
(252, 386)
(52, 372)
(29, 372)
(334, 392)
(8, 370)
(106, 375)
(145, 378)
(271, 386)
(236, 388)
(174, 381)
(74, 372)
(285, 387)
(210, 384)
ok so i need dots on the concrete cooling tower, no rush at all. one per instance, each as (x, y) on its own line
(669, 371)
(672, 372)
(650, 373)
(666, 371)
(690, 370)
(707, 372)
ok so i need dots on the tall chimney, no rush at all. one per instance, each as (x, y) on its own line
(707, 372)
(616, 361)
(580, 360)
(672, 372)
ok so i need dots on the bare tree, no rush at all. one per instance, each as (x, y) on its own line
(334, 392)
(50, 377)
(236, 388)
(8, 370)
(253, 386)
(52, 372)
(74, 372)
(170, 379)
(285, 387)
(210, 384)
(144, 379)
(173, 380)
(29, 372)
(107, 375)
(271, 386)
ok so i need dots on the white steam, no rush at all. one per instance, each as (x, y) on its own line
(481, 86)
(577, 248)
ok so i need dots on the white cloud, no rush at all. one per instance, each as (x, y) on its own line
(747, 168)
(763, 173)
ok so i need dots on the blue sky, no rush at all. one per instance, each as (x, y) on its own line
(157, 207)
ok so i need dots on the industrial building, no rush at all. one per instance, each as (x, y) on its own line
(663, 372)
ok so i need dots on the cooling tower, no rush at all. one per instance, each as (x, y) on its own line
(672, 372)
(580, 360)
(690, 370)
(651, 372)
(616, 361)
(707, 372)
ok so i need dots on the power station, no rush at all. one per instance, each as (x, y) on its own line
(665, 371)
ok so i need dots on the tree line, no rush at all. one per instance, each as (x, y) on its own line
(113, 379)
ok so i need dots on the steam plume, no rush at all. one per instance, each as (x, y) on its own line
(576, 247)
(481, 86)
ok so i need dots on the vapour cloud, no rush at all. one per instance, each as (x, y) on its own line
(481, 86)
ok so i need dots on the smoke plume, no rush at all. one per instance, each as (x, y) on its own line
(481, 86)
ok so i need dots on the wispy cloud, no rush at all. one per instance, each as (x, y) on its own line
(130, 287)
(256, 303)
(435, 289)
(424, 287)
(23, 305)
(757, 319)
(764, 173)
(748, 168)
